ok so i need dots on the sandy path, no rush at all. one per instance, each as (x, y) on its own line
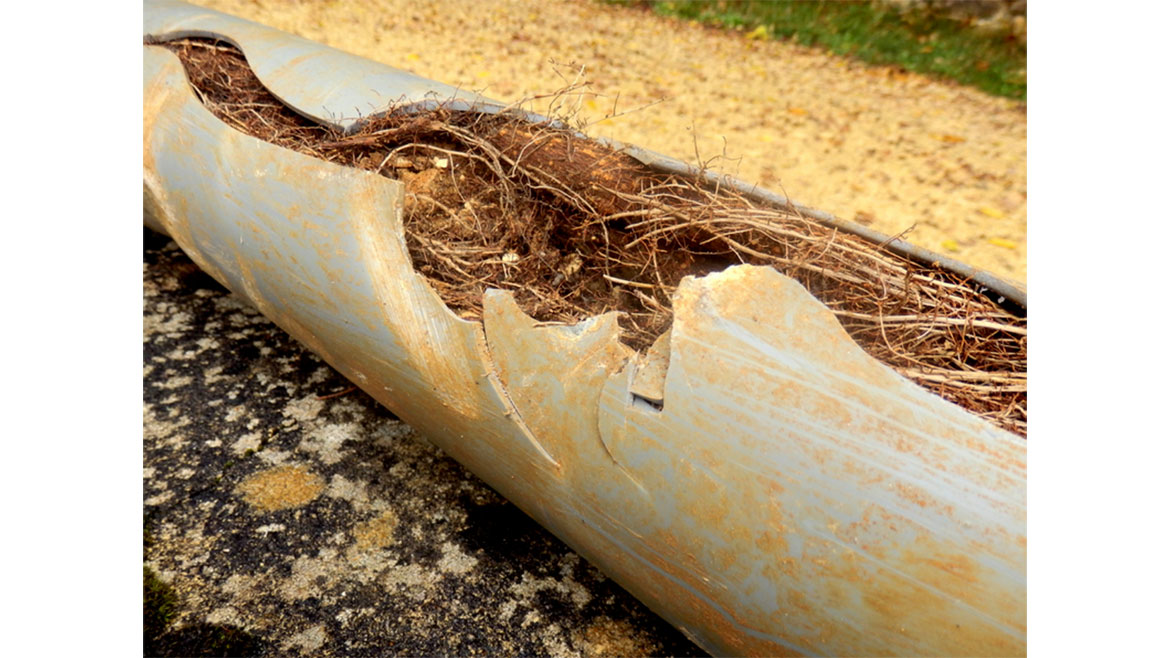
(891, 149)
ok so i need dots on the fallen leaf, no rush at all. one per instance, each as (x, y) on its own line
(994, 213)
(1000, 242)
(797, 111)
(760, 32)
(950, 245)
(950, 139)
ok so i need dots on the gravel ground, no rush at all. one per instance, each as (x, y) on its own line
(872, 144)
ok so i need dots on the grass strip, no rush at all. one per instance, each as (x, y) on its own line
(921, 39)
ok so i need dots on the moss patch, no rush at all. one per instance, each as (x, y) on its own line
(159, 607)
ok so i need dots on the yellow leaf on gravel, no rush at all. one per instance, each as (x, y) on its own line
(760, 32)
(797, 111)
(992, 212)
(950, 245)
(950, 139)
(999, 242)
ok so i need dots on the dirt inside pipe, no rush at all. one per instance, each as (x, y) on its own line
(574, 228)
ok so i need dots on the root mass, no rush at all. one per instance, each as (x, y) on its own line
(574, 228)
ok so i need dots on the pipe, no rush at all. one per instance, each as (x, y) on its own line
(755, 478)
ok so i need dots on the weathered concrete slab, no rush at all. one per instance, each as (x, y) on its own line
(328, 527)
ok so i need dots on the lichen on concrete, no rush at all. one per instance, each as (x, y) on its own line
(287, 520)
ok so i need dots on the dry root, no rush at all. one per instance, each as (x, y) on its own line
(575, 229)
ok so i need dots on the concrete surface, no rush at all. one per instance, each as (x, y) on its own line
(310, 526)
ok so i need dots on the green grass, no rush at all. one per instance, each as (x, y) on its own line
(920, 41)
(158, 605)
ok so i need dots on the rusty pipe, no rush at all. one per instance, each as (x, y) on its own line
(754, 477)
